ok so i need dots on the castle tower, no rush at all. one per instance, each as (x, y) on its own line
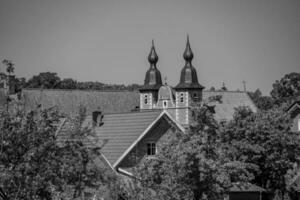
(152, 83)
(188, 90)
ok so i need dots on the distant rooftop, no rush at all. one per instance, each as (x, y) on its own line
(68, 101)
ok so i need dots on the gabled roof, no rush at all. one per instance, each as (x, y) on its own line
(293, 106)
(119, 132)
(229, 101)
(68, 101)
(246, 187)
(121, 101)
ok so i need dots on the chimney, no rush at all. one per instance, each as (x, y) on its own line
(11, 84)
(97, 118)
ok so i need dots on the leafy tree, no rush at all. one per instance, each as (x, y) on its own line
(67, 83)
(223, 88)
(36, 165)
(46, 80)
(212, 88)
(262, 102)
(265, 140)
(9, 66)
(287, 88)
(191, 165)
(20, 83)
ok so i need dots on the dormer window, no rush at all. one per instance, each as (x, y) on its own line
(146, 99)
(151, 149)
(181, 97)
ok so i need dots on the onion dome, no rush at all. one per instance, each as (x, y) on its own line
(153, 77)
(188, 76)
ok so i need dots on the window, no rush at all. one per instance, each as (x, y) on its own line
(195, 96)
(146, 99)
(181, 97)
(165, 104)
(298, 124)
(151, 149)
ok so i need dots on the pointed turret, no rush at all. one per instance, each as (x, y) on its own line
(188, 53)
(188, 76)
(153, 77)
(152, 57)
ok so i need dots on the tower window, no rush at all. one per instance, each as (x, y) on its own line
(181, 97)
(151, 148)
(146, 99)
(195, 96)
(165, 104)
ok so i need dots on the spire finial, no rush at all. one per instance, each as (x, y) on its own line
(188, 54)
(244, 84)
(166, 81)
(152, 58)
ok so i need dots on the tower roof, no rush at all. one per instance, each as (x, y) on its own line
(188, 76)
(153, 77)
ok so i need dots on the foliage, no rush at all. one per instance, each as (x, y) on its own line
(265, 140)
(46, 80)
(36, 165)
(287, 88)
(50, 80)
(262, 102)
(67, 83)
(292, 179)
(191, 165)
(9, 66)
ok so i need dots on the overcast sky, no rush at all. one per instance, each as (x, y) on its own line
(108, 41)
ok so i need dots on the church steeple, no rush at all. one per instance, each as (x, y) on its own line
(188, 53)
(152, 57)
(188, 76)
(153, 77)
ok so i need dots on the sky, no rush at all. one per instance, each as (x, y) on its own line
(257, 41)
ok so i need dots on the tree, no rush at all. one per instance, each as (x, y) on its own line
(46, 80)
(191, 165)
(212, 88)
(36, 165)
(287, 88)
(265, 140)
(67, 83)
(262, 102)
(9, 66)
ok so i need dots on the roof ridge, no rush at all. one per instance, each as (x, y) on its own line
(226, 91)
(95, 90)
(133, 112)
(89, 90)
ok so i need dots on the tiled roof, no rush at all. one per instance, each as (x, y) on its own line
(121, 101)
(121, 130)
(246, 187)
(118, 131)
(229, 101)
(68, 101)
(293, 105)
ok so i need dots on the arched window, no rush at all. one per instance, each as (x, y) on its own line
(181, 97)
(146, 99)
(165, 104)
